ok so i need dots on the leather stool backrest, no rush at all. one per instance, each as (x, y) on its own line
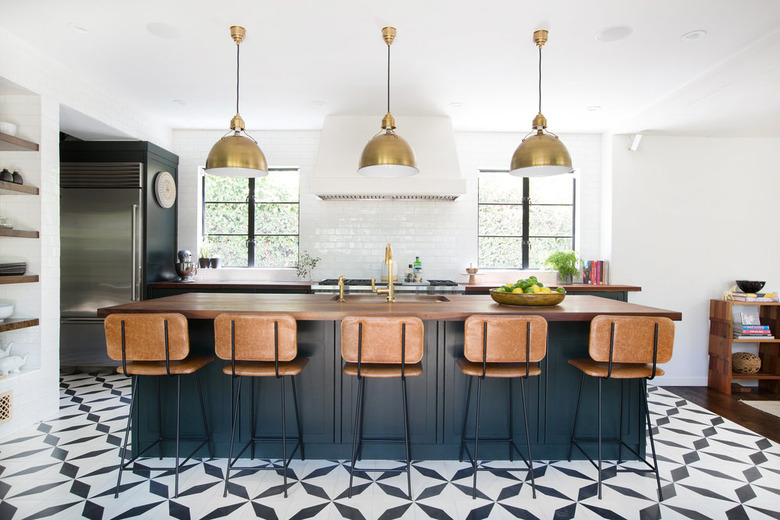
(506, 339)
(381, 339)
(145, 336)
(254, 334)
(634, 339)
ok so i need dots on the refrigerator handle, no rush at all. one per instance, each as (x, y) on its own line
(134, 252)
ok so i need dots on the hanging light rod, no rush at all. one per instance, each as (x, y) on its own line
(541, 154)
(387, 154)
(237, 155)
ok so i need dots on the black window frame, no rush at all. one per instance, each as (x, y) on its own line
(251, 201)
(526, 203)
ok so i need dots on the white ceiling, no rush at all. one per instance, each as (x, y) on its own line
(305, 59)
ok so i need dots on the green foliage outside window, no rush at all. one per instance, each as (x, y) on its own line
(270, 238)
(501, 214)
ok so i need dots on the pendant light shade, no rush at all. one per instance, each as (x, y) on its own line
(541, 154)
(387, 154)
(236, 155)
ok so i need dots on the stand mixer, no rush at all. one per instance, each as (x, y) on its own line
(184, 267)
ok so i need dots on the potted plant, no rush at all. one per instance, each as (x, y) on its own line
(203, 253)
(305, 265)
(567, 263)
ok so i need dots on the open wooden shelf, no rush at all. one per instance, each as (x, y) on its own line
(10, 143)
(19, 233)
(755, 340)
(17, 323)
(24, 278)
(757, 375)
(11, 188)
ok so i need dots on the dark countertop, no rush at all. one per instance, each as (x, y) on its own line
(232, 284)
(323, 307)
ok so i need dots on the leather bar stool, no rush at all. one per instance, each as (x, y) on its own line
(155, 345)
(625, 348)
(501, 347)
(260, 346)
(381, 347)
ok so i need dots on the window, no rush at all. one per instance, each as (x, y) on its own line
(523, 220)
(253, 222)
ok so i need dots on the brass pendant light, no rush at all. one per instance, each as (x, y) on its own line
(237, 155)
(541, 154)
(387, 154)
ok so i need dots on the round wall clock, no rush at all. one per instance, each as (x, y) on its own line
(165, 189)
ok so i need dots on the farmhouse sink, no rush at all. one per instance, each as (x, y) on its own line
(364, 299)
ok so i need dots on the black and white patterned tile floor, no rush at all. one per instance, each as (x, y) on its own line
(66, 468)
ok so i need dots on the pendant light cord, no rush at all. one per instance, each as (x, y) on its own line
(388, 78)
(540, 79)
(238, 65)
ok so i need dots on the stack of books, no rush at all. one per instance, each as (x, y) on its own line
(749, 327)
(596, 272)
(757, 297)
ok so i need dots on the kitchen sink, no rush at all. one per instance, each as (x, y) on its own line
(399, 298)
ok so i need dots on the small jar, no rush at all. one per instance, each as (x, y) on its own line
(6, 176)
(17, 177)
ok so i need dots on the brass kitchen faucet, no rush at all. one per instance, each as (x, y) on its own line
(390, 289)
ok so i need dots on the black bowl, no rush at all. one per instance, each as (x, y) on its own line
(750, 286)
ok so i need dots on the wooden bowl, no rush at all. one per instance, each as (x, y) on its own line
(538, 299)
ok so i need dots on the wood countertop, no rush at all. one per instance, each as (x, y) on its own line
(232, 284)
(570, 288)
(323, 307)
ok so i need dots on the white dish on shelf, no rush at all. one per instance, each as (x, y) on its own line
(7, 128)
(6, 309)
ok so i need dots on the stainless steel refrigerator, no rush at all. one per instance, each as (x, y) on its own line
(114, 238)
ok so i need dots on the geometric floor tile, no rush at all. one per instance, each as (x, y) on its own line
(66, 468)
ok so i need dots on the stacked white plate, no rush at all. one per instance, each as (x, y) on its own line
(14, 268)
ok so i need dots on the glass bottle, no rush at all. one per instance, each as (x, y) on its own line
(417, 269)
(409, 276)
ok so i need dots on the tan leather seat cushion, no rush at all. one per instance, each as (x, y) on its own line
(506, 338)
(634, 337)
(255, 336)
(266, 369)
(619, 370)
(382, 339)
(497, 369)
(157, 368)
(145, 336)
(382, 370)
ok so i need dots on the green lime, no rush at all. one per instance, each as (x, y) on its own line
(528, 291)
(560, 290)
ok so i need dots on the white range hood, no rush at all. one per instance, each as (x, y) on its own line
(431, 138)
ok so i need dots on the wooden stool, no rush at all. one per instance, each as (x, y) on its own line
(624, 347)
(155, 345)
(381, 347)
(259, 346)
(501, 347)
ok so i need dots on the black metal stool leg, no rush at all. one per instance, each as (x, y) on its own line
(203, 412)
(576, 416)
(252, 419)
(362, 418)
(178, 434)
(527, 438)
(297, 417)
(159, 419)
(599, 419)
(476, 439)
(406, 438)
(465, 420)
(620, 423)
(234, 401)
(355, 433)
(122, 453)
(511, 422)
(284, 436)
(652, 442)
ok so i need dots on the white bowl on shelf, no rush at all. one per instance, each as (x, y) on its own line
(6, 309)
(7, 128)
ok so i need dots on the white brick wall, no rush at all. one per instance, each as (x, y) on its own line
(350, 236)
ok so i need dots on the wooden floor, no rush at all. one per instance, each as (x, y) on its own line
(729, 407)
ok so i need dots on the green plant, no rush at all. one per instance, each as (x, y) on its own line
(305, 264)
(204, 251)
(567, 263)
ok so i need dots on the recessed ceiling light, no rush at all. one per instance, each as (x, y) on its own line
(614, 33)
(456, 104)
(593, 108)
(180, 102)
(163, 30)
(78, 28)
(694, 35)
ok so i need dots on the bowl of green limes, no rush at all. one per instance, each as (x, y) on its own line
(527, 292)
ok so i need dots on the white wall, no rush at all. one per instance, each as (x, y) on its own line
(690, 216)
(350, 236)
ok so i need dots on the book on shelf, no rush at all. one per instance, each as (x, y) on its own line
(758, 297)
(752, 332)
(595, 272)
(751, 328)
(753, 336)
